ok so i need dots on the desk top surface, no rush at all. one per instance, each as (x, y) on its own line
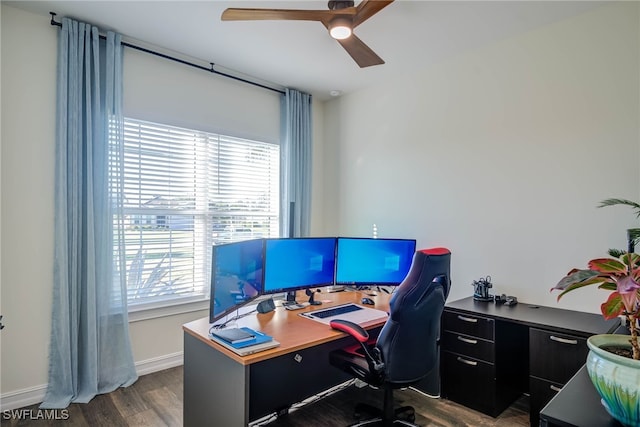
(578, 405)
(294, 332)
(575, 322)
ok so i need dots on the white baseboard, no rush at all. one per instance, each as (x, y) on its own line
(159, 363)
(32, 395)
(21, 398)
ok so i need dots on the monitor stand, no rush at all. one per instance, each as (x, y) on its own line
(291, 298)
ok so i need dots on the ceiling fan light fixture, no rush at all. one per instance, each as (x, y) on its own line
(340, 28)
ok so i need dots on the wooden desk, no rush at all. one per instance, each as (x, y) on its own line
(224, 389)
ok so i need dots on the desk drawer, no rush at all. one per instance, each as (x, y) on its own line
(476, 326)
(542, 392)
(555, 357)
(469, 382)
(469, 346)
(279, 382)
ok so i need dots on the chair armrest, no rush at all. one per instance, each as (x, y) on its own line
(370, 352)
(353, 329)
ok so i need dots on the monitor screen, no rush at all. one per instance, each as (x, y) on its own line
(299, 263)
(362, 261)
(236, 276)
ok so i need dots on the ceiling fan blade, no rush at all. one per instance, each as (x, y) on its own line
(324, 16)
(367, 8)
(360, 52)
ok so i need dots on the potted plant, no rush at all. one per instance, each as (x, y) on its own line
(614, 360)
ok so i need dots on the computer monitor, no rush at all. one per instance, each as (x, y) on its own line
(237, 275)
(298, 263)
(366, 262)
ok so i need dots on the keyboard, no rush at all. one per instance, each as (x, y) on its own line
(329, 312)
(352, 312)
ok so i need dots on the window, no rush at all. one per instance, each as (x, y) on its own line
(184, 191)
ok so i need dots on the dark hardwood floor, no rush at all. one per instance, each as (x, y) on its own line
(156, 400)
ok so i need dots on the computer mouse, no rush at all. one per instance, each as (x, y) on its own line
(368, 301)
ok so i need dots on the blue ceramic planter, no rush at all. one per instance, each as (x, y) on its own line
(616, 378)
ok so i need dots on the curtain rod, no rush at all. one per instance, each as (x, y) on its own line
(181, 61)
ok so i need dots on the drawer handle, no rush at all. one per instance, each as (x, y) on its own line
(468, 319)
(554, 388)
(467, 340)
(563, 340)
(467, 362)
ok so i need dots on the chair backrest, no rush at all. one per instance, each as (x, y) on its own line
(408, 341)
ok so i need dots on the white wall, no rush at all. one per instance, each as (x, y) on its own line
(155, 90)
(500, 154)
(163, 91)
(28, 125)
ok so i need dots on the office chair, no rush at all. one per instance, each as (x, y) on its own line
(406, 349)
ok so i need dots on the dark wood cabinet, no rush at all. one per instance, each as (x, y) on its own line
(492, 354)
(482, 361)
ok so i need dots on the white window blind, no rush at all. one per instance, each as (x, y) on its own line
(184, 191)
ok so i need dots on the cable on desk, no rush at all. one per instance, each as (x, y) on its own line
(234, 318)
(369, 290)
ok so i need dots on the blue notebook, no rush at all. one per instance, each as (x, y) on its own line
(259, 338)
(233, 335)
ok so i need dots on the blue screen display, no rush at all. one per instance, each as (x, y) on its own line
(298, 263)
(362, 261)
(236, 276)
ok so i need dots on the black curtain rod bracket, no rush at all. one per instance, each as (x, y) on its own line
(53, 21)
(181, 61)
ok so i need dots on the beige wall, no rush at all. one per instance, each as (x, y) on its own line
(500, 154)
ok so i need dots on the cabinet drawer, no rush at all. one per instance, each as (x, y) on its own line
(469, 382)
(541, 392)
(555, 357)
(476, 326)
(476, 348)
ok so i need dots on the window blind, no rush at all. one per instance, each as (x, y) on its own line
(185, 191)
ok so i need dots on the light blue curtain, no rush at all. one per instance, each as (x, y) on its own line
(90, 352)
(296, 162)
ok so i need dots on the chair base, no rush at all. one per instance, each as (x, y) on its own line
(404, 415)
(380, 422)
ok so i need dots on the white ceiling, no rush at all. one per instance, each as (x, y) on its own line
(408, 35)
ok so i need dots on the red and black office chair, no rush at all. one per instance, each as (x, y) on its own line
(406, 349)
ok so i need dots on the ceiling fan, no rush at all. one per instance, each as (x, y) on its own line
(340, 19)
